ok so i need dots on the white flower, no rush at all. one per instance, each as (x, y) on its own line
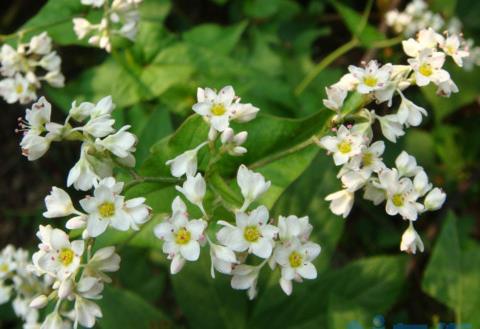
(62, 258)
(335, 98)
(451, 47)
(51, 62)
(55, 79)
(10, 60)
(40, 44)
(104, 260)
(121, 144)
(231, 142)
(355, 174)
(374, 194)
(446, 88)
(296, 262)
(391, 127)
(410, 113)
(223, 259)
(137, 211)
(82, 111)
(100, 126)
(5, 293)
(105, 208)
(93, 3)
(53, 321)
(421, 184)
(82, 175)
(401, 196)
(245, 278)
(293, 227)
(411, 240)
(406, 164)
(428, 67)
(34, 146)
(58, 204)
(343, 146)
(252, 185)
(82, 27)
(372, 77)
(39, 302)
(219, 109)
(194, 189)
(181, 236)
(17, 89)
(251, 233)
(86, 312)
(435, 199)
(185, 163)
(427, 39)
(341, 202)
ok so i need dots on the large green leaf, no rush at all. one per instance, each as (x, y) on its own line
(207, 302)
(366, 33)
(452, 275)
(355, 292)
(124, 309)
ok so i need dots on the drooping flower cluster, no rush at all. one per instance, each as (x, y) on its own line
(25, 68)
(102, 145)
(120, 18)
(353, 147)
(417, 17)
(253, 234)
(18, 285)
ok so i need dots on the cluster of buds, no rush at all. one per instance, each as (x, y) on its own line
(353, 147)
(19, 286)
(23, 69)
(120, 18)
(253, 234)
(102, 148)
(417, 17)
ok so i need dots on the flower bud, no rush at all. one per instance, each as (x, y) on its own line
(240, 138)
(227, 136)
(65, 289)
(39, 302)
(435, 199)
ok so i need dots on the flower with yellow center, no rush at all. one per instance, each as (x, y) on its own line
(66, 256)
(106, 209)
(295, 259)
(370, 81)
(252, 233)
(398, 200)
(425, 69)
(218, 109)
(345, 147)
(182, 236)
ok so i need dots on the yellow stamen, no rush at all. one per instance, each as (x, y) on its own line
(367, 159)
(251, 233)
(344, 146)
(425, 69)
(66, 256)
(106, 209)
(218, 109)
(295, 259)
(398, 200)
(183, 236)
(370, 81)
(4, 268)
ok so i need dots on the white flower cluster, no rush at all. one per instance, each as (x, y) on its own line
(17, 283)
(77, 278)
(285, 245)
(23, 69)
(417, 17)
(353, 147)
(102, 145)
(120, 18)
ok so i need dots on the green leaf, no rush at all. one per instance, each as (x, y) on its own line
(357, 292)
(124, 309)
(219, 39)
(452, 273)
(353, 21)
(207, 302)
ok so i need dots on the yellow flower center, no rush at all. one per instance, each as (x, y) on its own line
(450, 50)
(19, 89)
(367, 159)
(251, 233)
(66, 256)
(370, 81)
(425, 69)
(344, 146)
(295, 259)
(106, 209)
(183, 236)
(4, 268)
(218, 109)
(398, 200)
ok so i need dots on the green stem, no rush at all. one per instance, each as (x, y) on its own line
(141, 179)
(4, 37)
(388, 42)
(324, 63)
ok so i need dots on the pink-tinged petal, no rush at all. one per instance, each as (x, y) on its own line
(190, 251)
(196, 228)
(307, 271)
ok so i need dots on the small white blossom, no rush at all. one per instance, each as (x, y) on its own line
(185, 163)
(335, 98)
(181, 236)
(194, 189)
(435, 199)
(372, 77)
(341, 202)
(252, 185)
(245, 277)
(343, 146)
(411, 241)
(251, 233)
(58, 204)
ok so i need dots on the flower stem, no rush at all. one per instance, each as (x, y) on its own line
(324, 63)
(159, 179)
